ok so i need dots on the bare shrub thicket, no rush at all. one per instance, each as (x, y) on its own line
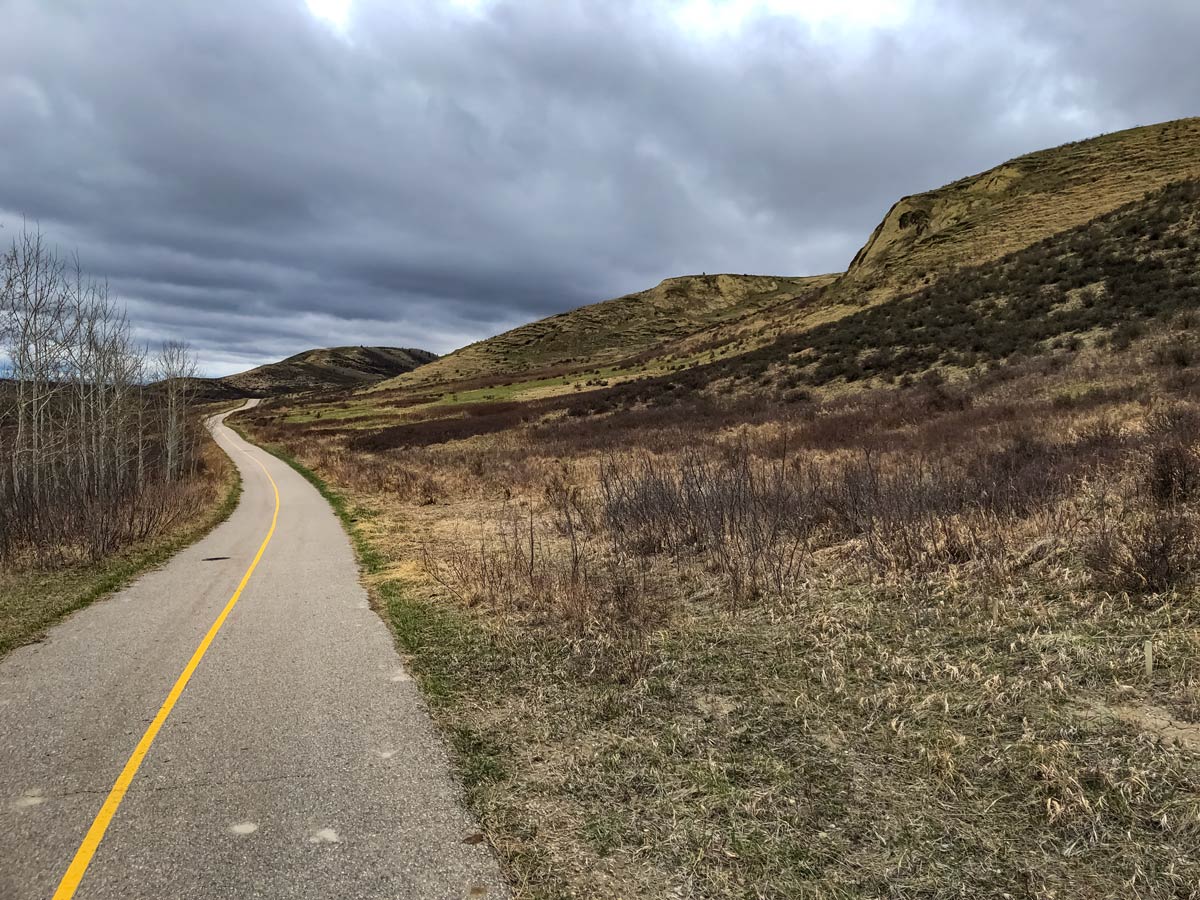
(547, 568)
(754, 515)
(93, 458)
(1147, 539)
(753, 521)
(757, 518)
(1022, 472)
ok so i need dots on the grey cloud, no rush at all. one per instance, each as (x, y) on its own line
(256, 182)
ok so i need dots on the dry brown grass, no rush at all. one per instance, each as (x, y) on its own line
(883, 644)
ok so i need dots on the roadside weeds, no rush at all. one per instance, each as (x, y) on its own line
(33, 601)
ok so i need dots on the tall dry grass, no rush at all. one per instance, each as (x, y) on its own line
(977, 481)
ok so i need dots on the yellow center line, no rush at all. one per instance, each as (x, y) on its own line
(83, 856)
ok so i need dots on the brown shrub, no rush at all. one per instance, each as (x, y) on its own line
(1152, 543)
(550, 574)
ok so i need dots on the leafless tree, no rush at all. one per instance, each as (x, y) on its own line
(176, 372)
(87, 445)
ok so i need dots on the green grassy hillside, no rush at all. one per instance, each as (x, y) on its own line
(1101, 285)
(699, 320)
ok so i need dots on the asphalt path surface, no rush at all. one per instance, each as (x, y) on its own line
(296, 761)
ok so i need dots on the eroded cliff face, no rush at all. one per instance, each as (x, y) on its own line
(925, 216)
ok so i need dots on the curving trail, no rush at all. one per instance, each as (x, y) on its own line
(234, 724)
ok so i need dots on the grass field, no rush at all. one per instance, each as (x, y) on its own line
(920, 698)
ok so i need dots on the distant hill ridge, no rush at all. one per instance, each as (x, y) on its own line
(321, 369)
(605, 333)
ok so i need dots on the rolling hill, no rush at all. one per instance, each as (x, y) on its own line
(1099, 285)
(607, 333)
(696, 320)
(985, 216)
(322, 369)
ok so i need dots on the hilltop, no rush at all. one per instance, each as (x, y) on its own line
(322, 369)
(985, 216)
(696, 331)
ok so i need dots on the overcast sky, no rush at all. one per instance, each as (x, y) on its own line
(262, 176)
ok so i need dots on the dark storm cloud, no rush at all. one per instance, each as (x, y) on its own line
(258, 181)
